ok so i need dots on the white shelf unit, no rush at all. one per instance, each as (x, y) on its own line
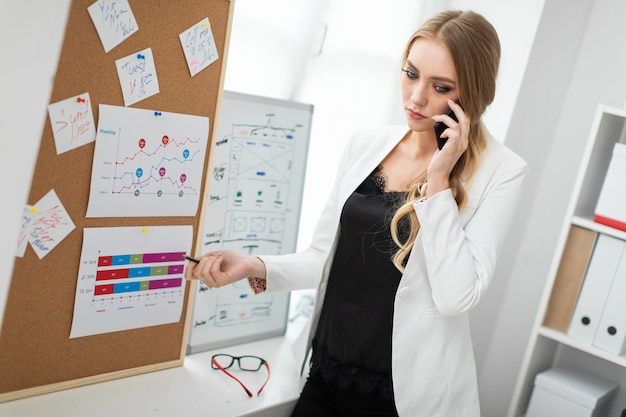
(547, 347)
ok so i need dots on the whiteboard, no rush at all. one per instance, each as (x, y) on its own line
(255, 182)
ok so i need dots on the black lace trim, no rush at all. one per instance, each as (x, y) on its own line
(347, 377)
(379, 178)
(376, 183)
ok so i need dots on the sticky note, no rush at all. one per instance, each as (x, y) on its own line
(26, 222)
(138, 77)
(199, 46)
(114, 21)
(72, 122)
(49, 225)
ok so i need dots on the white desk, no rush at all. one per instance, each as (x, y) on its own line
(191, 390)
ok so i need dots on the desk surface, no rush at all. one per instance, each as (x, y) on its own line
(193, 389)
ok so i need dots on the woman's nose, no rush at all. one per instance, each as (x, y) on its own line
(418, 95)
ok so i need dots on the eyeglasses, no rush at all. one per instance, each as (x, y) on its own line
(245, 363)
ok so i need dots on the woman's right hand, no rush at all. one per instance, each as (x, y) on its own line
(220, 268)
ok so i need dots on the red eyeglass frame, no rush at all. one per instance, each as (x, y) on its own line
(221, 368)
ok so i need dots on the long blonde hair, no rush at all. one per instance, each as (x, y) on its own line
(475, 49)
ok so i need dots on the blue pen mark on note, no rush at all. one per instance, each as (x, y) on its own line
(138, 78)
(114, 21)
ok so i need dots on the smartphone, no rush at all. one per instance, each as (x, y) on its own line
(441, 126)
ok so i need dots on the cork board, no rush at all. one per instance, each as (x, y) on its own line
(36, 353)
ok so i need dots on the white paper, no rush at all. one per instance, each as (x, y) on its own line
(114, 21)
(129, 278)
(199, 46)
(147, 163)
(72, 122)
(50, 224)
(138, 77)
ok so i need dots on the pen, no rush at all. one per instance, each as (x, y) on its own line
(189, 258)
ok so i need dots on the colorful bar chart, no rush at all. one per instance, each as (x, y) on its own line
(158, 284)
(129, 278)
(162, 267)
(140, 258)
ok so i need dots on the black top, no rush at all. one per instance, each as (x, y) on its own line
(352, 345)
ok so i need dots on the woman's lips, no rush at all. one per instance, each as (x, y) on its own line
(415, 115)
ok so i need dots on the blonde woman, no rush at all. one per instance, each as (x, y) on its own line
(407, 243)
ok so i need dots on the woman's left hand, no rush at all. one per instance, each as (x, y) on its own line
(444, 160)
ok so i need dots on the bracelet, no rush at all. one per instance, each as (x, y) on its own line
(258, 285)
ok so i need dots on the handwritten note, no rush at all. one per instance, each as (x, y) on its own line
(72, 122)
(49, 225)
(114, 21)
(199, 46)
(138, 77)
(22, 238)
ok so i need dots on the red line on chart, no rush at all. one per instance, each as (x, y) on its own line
(161, 145)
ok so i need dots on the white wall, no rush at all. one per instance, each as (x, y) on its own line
(30, 46)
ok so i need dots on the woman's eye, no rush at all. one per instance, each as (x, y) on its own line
(410, 74)
(442, 88)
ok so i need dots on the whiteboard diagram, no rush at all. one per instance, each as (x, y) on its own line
(258, 162)
(147, 163)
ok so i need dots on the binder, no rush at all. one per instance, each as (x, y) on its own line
(611, 333)
(596, 286)
(569, 278)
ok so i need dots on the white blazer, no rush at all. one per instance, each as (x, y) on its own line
(448, 271)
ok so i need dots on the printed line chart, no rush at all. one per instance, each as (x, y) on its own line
(130, 277)
(147, 163)
(164, 173)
